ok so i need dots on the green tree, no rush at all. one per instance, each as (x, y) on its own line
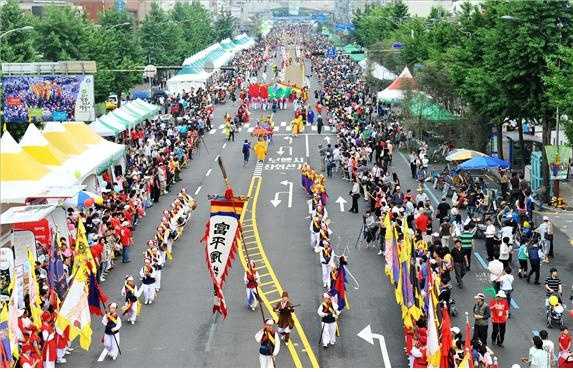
(17, 46)
(559, 83)
(161, 38)
(196, 27)
(115, 46)
(225, 26)
(62, 34)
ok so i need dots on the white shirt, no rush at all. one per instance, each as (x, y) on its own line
(506, 282)
(490, 231)
(504, 250)
(507, 231)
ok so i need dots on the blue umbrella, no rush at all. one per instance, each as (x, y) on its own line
(482, 162)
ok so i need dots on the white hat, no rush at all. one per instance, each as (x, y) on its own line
(437, 235)
(501, 294)
(269, 322)
(545, 218)
(325, 295)
(479, 296)
(455, 330)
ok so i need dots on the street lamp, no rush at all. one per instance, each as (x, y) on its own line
(119, 25)
(509, 18)
(25, 28)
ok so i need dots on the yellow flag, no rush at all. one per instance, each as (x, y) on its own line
(34, 292)
(83, 259)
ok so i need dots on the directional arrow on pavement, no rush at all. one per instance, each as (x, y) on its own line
(276, 201)
(327, 139)
(341, 201)
(281, 150)
(367, 335)
(288, 139)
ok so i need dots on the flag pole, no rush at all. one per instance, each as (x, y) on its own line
(228, 184)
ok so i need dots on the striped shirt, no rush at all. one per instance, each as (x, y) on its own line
(552, 283)
(466, 238)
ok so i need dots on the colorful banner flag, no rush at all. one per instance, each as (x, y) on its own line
(75, 314)
(96, 296)
(34, 292)
(433, 341)
(83, 259)
(220, 238)
(446, 339)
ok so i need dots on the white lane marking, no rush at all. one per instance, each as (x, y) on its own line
(306, 143)
(212, 131)
(208, 172)
(198, 189)
(225, 145)
(217, 158)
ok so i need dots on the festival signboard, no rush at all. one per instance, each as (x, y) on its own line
(48, 98)
(559, 159)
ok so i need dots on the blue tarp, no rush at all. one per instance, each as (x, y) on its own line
(482, 162)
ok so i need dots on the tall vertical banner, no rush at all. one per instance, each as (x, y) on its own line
(221, 236)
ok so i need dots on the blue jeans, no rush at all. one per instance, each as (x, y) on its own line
(124, 255)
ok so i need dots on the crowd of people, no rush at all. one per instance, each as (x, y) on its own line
(156, 153)
(440, 238)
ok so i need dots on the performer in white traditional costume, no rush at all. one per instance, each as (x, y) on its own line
(130, 292)
(252, 281)
(314, 228)
(147, 275)
(325, 252)
(328, 315)
(112, 324)
(270, 344)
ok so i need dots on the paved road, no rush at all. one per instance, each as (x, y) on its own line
(179, 329)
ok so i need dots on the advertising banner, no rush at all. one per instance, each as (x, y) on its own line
(559, 159)
(48, 98)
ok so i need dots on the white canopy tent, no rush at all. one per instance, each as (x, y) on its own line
(395, 91)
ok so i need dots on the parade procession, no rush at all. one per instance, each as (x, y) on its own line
(295, 184)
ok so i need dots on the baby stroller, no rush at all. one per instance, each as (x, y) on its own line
(554, 311)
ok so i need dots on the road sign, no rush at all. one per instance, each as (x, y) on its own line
(367, 335)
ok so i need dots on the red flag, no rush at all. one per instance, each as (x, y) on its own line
(446, 339)
(468, 345)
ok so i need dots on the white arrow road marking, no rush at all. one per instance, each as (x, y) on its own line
(367, 335)
(276, 201)
(288, 139)
(280, 151)
(212, 131)
(327, 139)
(341, 201)
(306, 144)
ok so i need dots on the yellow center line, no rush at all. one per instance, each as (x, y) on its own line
(278, 288)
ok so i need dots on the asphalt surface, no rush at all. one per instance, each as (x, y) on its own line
(179, 330)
